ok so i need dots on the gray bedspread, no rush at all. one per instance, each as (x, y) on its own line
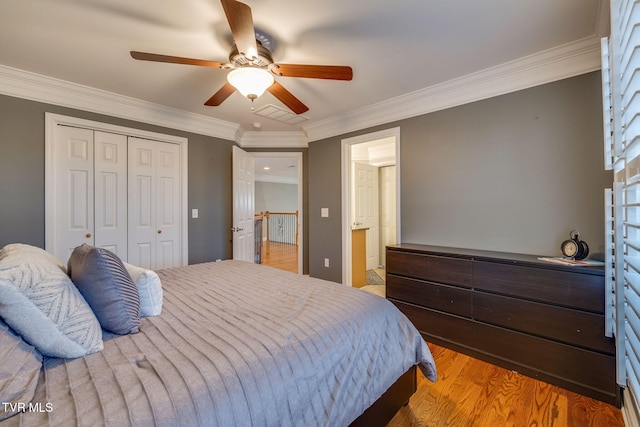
(237, 344)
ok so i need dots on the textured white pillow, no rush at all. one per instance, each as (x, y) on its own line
(20, 249)
(149, 289)
(39, 301)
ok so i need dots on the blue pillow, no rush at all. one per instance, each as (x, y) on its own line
(105, 284)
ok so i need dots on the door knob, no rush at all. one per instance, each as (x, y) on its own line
(159, 231)
(88, 235)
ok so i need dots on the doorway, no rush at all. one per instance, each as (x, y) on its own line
(370, 201)
(278, 209)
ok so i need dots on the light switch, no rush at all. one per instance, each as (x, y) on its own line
(324, 212)
(194, 213)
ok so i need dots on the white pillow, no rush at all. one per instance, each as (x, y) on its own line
(149, 289)
(20, 249)
(39, 301)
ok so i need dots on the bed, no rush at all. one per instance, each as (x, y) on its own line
(239, 344)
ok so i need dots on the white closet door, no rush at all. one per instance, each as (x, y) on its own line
(74, 203)
(154, 204)
(168, 205)
(111, 192)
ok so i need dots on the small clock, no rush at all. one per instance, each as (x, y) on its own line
(574, 247)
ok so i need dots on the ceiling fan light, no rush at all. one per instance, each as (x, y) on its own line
(250, 81)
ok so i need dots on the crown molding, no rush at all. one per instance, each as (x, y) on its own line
(276, 179)
(571, 59)
(271, 139)
(36, 87)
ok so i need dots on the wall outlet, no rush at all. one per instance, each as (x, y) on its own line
(324, 212)
(326, 262)
(194, 213)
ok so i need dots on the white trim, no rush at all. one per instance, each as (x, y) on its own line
(346, 192)
(260, 139)
(36, 87)
(571, 59)
(51, 123)
(298, 157)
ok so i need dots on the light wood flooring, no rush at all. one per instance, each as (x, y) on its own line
(280, 255)
(472, 393)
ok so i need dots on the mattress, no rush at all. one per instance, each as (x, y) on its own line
(237, 344)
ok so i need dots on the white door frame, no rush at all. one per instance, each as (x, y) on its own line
(347, 192)
(298, 157)
(51, 123)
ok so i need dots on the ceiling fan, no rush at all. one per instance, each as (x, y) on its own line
(251, 63)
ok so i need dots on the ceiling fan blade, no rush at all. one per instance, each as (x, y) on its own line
(145, 56)
(287, 98)
(330, 72)
(241, 24)
(222, 94)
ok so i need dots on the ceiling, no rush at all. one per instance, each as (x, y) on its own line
(273, 168)
(394, 47)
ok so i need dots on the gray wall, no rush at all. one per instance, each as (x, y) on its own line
(22, 178)
(514, 173)
(276, 197)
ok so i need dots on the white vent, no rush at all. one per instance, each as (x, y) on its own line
(280, 114)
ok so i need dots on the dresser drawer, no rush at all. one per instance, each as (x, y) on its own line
(452, 271)
(586, 372)
(447, 298)
(582, 291)
(580, 328)
(429, 322)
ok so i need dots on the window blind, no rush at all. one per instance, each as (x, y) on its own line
(621, 115)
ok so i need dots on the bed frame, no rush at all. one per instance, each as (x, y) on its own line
(386, 407)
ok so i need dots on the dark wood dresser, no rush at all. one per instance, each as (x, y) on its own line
(541, 319)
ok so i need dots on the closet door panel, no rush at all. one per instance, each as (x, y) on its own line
(168, 205)
(74, 173)
(142, 201)
(111, 192)
(154, 204)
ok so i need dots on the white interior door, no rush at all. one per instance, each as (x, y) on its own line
(154, 204)
(243, 205)
(366, 209)
(168, 205)
(74, 175)
(142, 202)
(110, 181)
(387, 184)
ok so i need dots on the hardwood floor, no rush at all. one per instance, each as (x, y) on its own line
(470, 392)
(280, 255)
